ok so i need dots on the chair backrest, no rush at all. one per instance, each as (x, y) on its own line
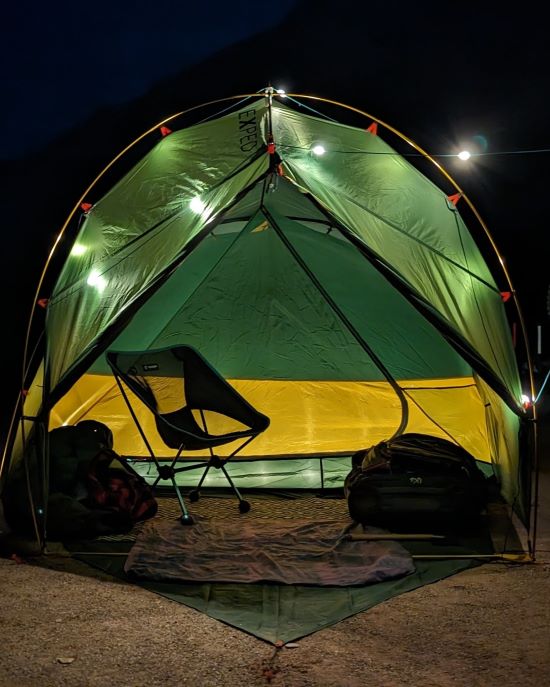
(169, 379)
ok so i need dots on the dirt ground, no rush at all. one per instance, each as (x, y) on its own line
(63, 624)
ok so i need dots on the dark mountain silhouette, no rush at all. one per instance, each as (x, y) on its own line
(435, 72)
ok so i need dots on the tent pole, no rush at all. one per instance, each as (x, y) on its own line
(353, 331)
(504, 557)
(89, 188)
(534, 492)
(18, 409)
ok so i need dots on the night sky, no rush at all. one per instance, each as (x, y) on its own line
(64, 60)
(80, 81)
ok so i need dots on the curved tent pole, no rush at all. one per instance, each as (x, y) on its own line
(523, 327)
(19, 404)
(18, 409)
(468, 202)
(20, 401)
(91, 186)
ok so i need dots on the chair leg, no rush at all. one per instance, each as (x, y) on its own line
(185, 519)
(244, 506)
(195, 493)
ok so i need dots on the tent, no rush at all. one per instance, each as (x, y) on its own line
(331, 282)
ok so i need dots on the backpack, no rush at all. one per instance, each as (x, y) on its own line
(114, 485)
(416, 480)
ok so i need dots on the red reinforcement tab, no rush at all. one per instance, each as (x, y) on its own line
(373, 129)
(42, 302)
(454, 198)
(86, 207)
(505, 295)
(165, 131)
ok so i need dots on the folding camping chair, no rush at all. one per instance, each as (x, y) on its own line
(180, 387)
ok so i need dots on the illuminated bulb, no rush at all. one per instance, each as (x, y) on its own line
(197, 205)
(97, 280)
(526, 401)
(78, 249)
(318, 150)
(464, 155)
(281, 92)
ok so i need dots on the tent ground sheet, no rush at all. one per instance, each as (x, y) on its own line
(274, 611)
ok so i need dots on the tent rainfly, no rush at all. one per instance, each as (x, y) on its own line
(332, 283)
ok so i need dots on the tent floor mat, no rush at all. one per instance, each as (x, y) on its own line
(275, 612)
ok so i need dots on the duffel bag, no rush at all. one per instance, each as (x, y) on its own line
(416, 481)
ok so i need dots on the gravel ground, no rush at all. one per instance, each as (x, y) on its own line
(65, 624)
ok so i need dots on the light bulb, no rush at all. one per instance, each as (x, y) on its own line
(197, 205)
(96, 280)
(78, 249)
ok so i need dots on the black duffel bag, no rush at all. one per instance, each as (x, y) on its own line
(416, 481)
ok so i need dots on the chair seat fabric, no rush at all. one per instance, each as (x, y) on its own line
(180, 429)
(178, 376)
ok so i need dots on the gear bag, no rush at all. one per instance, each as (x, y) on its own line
(415, 480)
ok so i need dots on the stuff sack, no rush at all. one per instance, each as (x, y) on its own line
(416, 481)
(113, 485)
(71, 450)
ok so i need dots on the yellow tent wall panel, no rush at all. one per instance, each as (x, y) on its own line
(307, 417)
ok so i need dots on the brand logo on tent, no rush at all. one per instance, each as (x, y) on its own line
(248, 130)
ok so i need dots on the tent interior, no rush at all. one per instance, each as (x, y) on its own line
(343, 296)
(291, 313)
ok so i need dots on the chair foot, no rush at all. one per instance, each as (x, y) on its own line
(194, 495)
(244, 506)
(186, 520)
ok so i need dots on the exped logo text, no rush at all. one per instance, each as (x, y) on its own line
(248, 130)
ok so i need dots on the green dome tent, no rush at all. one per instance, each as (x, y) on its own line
(333, 284)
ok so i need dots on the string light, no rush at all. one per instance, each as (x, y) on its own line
(78, 249)
(197, 205)
(96, 280)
